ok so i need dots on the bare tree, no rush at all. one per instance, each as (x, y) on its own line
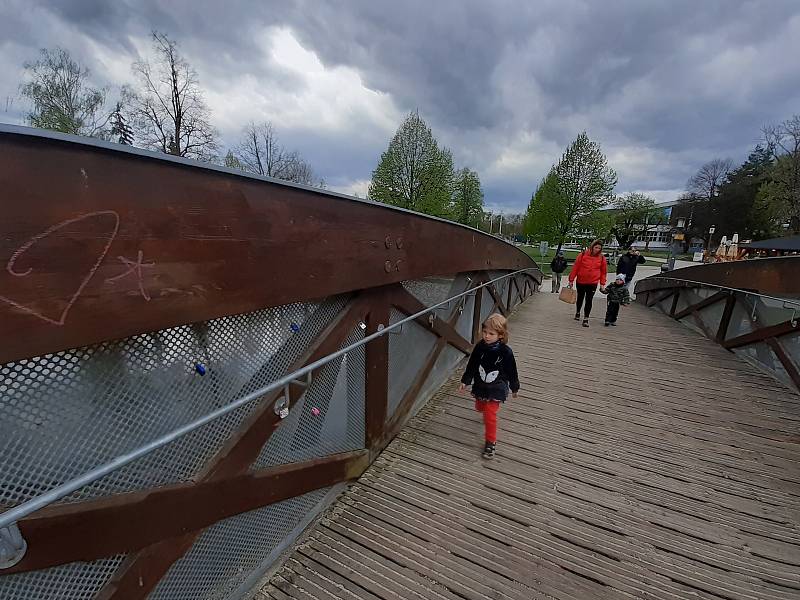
(706, 182)
(783, 141)
(261, 152)
(169, 111)
(62, 98)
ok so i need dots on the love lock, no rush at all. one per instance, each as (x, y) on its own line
(281, 407)
(12, 546)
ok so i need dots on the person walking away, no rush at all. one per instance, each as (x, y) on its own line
(589, 269)
(618, 295)
(627, 264)
(492, 372)
(558, 265)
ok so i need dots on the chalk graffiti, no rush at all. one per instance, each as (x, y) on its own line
(134, 268)
(60, 319)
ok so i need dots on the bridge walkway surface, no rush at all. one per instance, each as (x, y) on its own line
(641, 461)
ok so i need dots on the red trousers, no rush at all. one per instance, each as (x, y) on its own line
(489, 409)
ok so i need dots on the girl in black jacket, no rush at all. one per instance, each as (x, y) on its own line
(492, 371)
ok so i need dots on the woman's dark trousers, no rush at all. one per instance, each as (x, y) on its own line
(585, 292)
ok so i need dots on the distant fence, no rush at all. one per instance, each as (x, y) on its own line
(141, 294)
(750, 308)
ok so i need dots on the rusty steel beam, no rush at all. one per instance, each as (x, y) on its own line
(653, 301)
(405, 405)
(101, 243)
(725, 321)
(498, 301)
(675, 299)
(376, 385)
(760, 335)
(476, 310)
(785, 360)
(406, 302)
(713, 299)
(770, 276)
(125, 523)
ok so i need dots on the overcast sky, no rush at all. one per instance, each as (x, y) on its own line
(663, 86)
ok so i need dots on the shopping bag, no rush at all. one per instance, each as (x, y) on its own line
(568, 295)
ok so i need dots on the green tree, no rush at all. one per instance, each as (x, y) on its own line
(585, 183)
(62, 98)
(232, 162)
(120, 130)
(467, 197)
(633, 215)
(783, 196)
(546, 215)
(414, 173)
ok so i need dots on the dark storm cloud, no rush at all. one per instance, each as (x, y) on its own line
(663, 86)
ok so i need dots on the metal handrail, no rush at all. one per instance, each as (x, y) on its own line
(785, 301)
(11, 516)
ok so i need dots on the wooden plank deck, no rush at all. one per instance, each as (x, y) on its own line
(641, 461)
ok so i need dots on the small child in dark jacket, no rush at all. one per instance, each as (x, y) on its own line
(492, 371)
(618, 295)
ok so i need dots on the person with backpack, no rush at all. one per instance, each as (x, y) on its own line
(589, 269)
(558, 265)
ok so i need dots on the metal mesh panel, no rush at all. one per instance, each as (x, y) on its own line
(228, 553)
(770, 312)
(63, 414)
(431, 290)
(447, 361)
(740, 320)
(337, 424)
(75, 581)
(408, 352)
(464, 325)
(712, 315)
(762, 357)
(487, 302)
(665, 305)
(791, 344)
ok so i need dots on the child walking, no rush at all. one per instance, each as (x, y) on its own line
(492, 371)
(618, 295)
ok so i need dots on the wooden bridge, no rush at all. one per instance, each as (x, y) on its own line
(196, 362)
(641, 461)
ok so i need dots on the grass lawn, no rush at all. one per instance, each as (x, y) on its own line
(544, 264)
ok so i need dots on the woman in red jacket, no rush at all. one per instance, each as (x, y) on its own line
(590, 268)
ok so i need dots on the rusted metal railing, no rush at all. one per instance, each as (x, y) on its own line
(756, 315)
(195, 359)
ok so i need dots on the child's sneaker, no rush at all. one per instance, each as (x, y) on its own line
(608, 324)
(614, 324)
(488, 450)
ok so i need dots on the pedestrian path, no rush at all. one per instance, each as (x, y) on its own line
(641, 461)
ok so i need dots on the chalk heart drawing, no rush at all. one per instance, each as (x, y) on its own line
(86, 277)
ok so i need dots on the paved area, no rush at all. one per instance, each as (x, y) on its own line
(641, 461)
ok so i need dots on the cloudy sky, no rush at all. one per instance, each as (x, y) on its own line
(663, 86)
